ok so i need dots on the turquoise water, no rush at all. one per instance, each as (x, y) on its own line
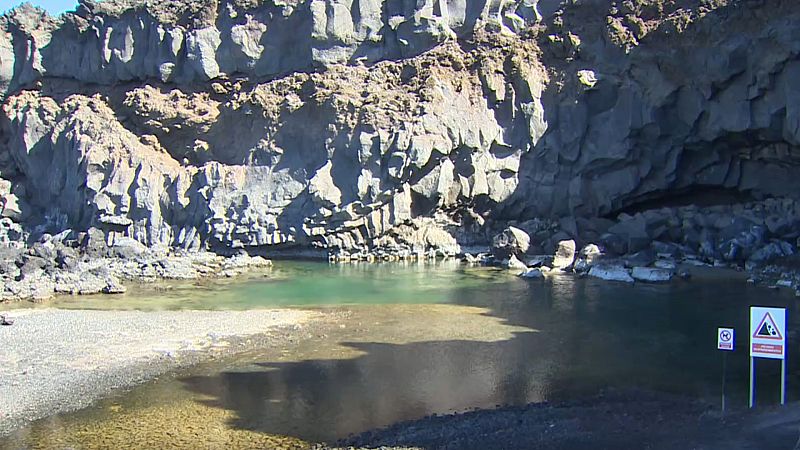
(301, 284)
(572, 337)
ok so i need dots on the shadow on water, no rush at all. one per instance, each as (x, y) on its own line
(323, 400)
(591, 335)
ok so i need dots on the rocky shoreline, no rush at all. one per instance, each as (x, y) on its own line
(758, 238)
(87, 264)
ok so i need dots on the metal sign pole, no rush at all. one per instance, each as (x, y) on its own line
(752, 386)
(783, 381)
(724, 367)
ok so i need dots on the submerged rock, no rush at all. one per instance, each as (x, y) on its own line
(693, 261)
(532, 274)
(540, 260)
(611, 273)
(469, 259)
(667, 264)
(515, 263)
(651, 274)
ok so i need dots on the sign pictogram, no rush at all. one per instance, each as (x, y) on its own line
(725, 339)
(767, 329)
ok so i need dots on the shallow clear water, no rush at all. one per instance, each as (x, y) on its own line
(292, 283)
(493, 339)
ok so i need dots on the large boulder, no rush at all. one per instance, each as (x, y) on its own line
(510, 242)
(93, 242)
(30, 265)
(587, 257)
(11, 234)
(126, 248)
(565, 254)
(740, 240)
(113, 286)
(771, 251)
(633, 232)
(641, 258)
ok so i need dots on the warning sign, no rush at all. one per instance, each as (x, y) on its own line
(724, 338)
(767, 332)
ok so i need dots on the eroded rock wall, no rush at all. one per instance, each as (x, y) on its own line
(402, 127)
(183, 42)
(642, 111)
(334, 159)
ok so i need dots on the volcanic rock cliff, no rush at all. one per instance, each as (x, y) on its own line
(405, 127)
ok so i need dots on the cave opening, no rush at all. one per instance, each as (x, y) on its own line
(698, 195)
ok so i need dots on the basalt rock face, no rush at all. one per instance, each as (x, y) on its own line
(356, 126)
(347, 158)
(187, 41)
(702, 99)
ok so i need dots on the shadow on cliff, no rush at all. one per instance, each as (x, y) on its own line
(619, 146)
(580, 337)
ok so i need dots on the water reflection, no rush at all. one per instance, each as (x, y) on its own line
(561, 338)
(325, 400)
(594, 335)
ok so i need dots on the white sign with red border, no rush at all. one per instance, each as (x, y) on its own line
(725, 339)
(767, 332)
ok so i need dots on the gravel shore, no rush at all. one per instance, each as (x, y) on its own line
(614, 420)
(54, 360)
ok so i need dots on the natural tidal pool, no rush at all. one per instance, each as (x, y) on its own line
(415, 339)
(299, 284)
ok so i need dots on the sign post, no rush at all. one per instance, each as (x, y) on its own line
(767, 340)
(724, 342)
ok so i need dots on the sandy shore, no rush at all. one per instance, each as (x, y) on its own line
(54, 360)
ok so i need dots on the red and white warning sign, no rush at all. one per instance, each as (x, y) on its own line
(724, 338)
(767, 332)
